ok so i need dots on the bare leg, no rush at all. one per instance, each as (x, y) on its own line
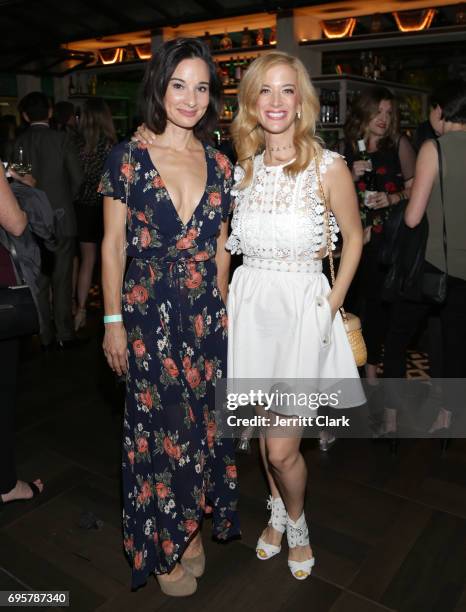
(289, 471)
(269, 535)
(88, 258)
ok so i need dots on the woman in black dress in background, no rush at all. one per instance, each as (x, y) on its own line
(96, 137)
(374, 119)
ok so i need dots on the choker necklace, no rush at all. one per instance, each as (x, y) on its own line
(276, 149)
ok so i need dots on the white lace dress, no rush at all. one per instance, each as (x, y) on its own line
(280, 323)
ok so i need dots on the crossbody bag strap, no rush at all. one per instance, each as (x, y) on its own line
(328, 232)
(442, 199)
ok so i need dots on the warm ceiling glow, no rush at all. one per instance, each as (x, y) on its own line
(414, 21)
(106, 58)
(144, 52)
(339, 28)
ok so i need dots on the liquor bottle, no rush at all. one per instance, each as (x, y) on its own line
(260, 37)
(226, 42)
(246, 39)
(376, 74)
(238, 70)
(369, 175)
(231, 72)
(71, 87)
(273, 36)
(207, 40)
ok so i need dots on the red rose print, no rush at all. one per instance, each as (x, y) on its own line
(139, 294)
(170, 367)
(211, 431)
(127, 170)
(129, 544)
(146, 491)
(192, 233)
(193, 377)
(209, 369)
(198, 325)
(381, 170)
(146, 398)
(201, 256)
(158, 183)
(190, 525)
(223, 164)
(361, 186)
(194, 281)
(191, 414)
(168, 446)
(184, 243)
(186, 363)
(142, 445)
(138, 557)
(377, 229)
(131, 457)
(141, 217)
(231, 471)
(390, 187)
(161, 489)
(139, 348)
(215, 199)
(168, 547)
(128, 215)
(145, 238)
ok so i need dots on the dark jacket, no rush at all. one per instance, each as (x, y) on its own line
(57, 170)
(41, 222)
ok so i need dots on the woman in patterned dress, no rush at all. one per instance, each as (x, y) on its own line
(173, 197)
(285, 328)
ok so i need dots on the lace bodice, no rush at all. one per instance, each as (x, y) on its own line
(280, 217)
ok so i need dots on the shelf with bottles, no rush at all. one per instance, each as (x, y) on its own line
(231, 72)
(245, 41)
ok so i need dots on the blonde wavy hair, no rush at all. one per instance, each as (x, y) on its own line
(248, 135)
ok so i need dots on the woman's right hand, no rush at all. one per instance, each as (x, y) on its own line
(144, 135)
(359, 167)
(116, 348)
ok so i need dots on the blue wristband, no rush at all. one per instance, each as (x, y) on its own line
(117, 318)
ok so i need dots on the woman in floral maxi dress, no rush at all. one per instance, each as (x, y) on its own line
(174, 459)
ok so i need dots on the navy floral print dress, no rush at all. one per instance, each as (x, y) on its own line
(175, 462)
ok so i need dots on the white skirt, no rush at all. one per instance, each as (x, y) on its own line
(280, 332)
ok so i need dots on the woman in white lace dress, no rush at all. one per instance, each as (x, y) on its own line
(283, 318)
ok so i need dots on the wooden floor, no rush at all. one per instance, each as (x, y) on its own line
(388, 531)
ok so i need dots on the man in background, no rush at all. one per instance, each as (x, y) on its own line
(57, 170)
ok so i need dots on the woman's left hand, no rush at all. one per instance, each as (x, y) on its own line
(380, 200)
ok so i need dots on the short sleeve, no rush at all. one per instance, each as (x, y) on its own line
(115, 173)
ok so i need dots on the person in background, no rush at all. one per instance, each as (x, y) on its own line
(96, 137)
(374, 119)
(14, 221)
(57, 170)
(64, 118)
(433, 126)
(7, 137)
(426, 199)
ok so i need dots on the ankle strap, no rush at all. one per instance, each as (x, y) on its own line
(297, 532)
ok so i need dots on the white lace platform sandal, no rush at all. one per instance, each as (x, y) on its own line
(297, 534)
(277, 520)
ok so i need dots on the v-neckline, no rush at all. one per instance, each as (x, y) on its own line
(169, 198)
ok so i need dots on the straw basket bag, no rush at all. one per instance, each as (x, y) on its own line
(351, 322)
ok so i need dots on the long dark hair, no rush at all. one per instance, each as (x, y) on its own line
(96, 124)
(364, 109)
(158, 74)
